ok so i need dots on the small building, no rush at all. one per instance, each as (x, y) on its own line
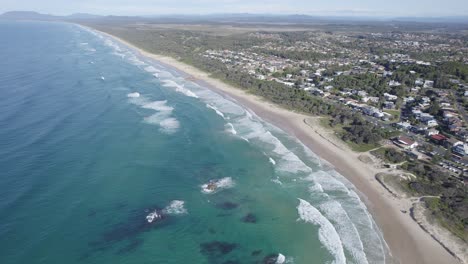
(431, 132)
(389, 105)
(438, 139)
(405, 142)
(390, 97)
(431, 123)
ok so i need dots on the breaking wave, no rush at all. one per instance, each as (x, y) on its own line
(176, 207)
(217, 185)
(133, 95)
(216, 110)
(327, 232)
(163, 116)
(179, 88)
(271, 160)
(231, 128)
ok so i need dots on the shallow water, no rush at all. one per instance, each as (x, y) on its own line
(94, 138)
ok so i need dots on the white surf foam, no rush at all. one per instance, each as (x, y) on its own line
(350, 216)
(162, 118)
(218, 185)
(348, 233)
(216, 110)
(151, 69)
(272, 161)
(281, 259)
(179, 88)
(133, 95)
(160, 106)
(153, 216)
(231, 128)
(176, 207)
(135, 61)
(327, 232)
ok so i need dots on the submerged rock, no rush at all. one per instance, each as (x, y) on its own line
(227, 205)
(249, 218)
(217, 248)
(256, 252)
(274, 259)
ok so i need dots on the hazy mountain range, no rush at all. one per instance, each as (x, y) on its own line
(240, 18)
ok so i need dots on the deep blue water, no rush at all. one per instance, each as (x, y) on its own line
(94, 137)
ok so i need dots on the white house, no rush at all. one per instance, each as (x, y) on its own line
(406, 142)
(428, 84)
(431, 123)
(390, 97)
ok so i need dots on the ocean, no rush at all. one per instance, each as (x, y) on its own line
(110, 157)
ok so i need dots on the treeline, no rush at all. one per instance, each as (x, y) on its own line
(187, 47)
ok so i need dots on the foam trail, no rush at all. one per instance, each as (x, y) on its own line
(217, 185)
(231, 129)
(216, 110)
(162, 118)
(272, 161)
(347, 203)
(327, 232)
(133, 95)
(281, 259)
(346, 229)
(151, 69)
(176, 207)
(179, 88)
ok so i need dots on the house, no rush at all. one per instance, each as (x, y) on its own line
(438, 139)
(389, 105)
(431, 132)
(403, 125)
(408, 99)
(405, 142)
(372, 111)
(460, 149)
(428, 84)
(424, 117)
(416, 113)
(419, 81)
(393, 83)
(390, 97)
(362, 93)
(431, 123)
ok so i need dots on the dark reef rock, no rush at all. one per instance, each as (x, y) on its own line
(256, 252)
(270, 259)
(217, 248)
(249, 218)
(227, 205)
(134, 244)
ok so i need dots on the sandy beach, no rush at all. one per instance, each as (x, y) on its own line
(407, 241)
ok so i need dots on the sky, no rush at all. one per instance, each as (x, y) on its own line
(376, 8)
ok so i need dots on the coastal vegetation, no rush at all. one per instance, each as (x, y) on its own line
(390, 155)
(447, 196)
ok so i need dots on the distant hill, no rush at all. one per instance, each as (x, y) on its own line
(83, 16)
(237, 18)
(30, 15)
(27, 15)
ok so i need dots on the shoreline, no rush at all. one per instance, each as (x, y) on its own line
(406, 240)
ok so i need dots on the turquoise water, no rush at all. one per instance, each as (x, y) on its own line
(95, 137)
